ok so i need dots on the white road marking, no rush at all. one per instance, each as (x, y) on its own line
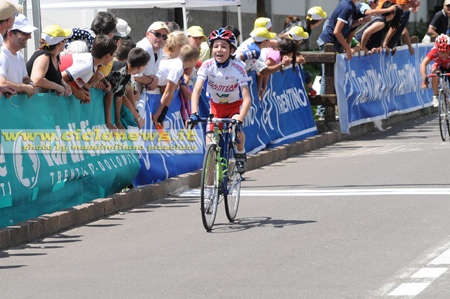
(333, 192)
(409, 289)
(429, 273)
(443, 259)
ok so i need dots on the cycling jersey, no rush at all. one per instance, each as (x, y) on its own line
(438, 62)
(223, 81)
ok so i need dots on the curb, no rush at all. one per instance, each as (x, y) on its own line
(37, 228)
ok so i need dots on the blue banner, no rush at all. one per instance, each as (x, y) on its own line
(282, 117)
(375, 87)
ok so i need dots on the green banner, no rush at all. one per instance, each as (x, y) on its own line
(43, 174)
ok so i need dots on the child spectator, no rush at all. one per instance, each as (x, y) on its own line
(43, 66)
(103, 23)
(290, 22)
(337, 29)
(394, 35)
(286, 51)
(314, 17)
(119, 78)
(13, 71)
(440, 54)
(226, 87)
(78, 69)
(122, 55)
(371, 35)
(175, 42)
(250, 52)
(169, 74)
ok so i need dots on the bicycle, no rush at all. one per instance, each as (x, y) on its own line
(443, 107)
(219, 172)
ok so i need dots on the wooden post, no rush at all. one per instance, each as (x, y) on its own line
(330, 111)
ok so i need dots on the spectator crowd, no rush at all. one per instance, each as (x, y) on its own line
(72, 61)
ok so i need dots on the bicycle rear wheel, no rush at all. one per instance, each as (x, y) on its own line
(233, 195)
(443, 118)
(209, 194)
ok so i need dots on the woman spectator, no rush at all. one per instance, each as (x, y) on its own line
(43, 66)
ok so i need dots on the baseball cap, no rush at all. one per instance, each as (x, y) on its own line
(21, 23)
(316, 13)
(54, 34)
(298, 33)
(263, 22)
(123, 30)
(157, 26)
(261, 34)
(196, 31)
(447, 2)
(9, 9)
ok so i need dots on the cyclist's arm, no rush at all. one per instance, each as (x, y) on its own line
(196, 95)
(246, 104)
(423, 67)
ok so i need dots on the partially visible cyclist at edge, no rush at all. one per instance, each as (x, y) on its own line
(226, 86)
(440, 54)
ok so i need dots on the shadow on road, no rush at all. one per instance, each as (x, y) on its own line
(242, 224)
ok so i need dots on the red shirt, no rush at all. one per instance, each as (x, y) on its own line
(438, 62)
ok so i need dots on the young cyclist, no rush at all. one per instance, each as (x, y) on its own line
(440, 54)
(226, 86)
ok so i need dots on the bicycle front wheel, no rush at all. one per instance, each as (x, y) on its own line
(443, 117)
(209, 194)
(233, 194)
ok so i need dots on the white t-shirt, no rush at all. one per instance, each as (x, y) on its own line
(12, 67)
(250, 64)
(153, 64)
(223, 82)
(82, 67)
(170, 70)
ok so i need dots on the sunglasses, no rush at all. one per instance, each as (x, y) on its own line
(21, 32)
(159, 35)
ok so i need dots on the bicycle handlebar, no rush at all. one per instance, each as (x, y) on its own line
(438, 75)
(218, 120)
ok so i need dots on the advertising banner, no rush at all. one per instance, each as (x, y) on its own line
(371, 88)
(56, 153)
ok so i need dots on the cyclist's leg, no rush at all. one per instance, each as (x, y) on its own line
(435, 85)
(240, 154)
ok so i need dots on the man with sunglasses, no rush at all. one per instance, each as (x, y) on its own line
(440, 22)
(153, 43)
(13, 71)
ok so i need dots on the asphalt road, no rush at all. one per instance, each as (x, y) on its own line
(366, 218)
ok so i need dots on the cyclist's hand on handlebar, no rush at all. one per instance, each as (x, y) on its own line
(239, 125)
(425, 83)
(193, 120)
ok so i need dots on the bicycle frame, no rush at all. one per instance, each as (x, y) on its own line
(223, 138)
(443, 106)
